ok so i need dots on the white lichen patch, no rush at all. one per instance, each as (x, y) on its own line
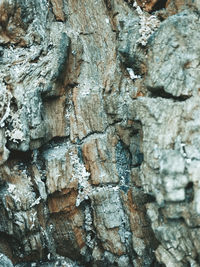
(89, 228)
(36, 202)
(148, 25)
(80, 173)
(10, 117)
(5, 99)
(15, 134)
(21, 195)
(133, 76)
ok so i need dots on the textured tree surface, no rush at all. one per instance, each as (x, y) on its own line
(99, 133)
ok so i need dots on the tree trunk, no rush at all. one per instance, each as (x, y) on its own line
(99, 133)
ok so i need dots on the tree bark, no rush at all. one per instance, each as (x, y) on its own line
(99, 133)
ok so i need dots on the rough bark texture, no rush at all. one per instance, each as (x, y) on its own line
(100, 133)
